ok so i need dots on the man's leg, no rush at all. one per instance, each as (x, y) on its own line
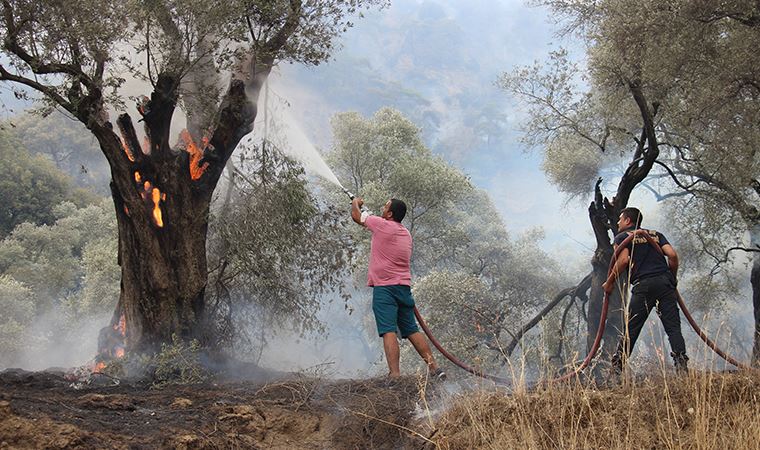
(385, 309)
(667, 309)
(407, 324)
(390, 345)
(638, 311)
(421, 345)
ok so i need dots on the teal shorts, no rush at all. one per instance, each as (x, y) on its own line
(394, 310)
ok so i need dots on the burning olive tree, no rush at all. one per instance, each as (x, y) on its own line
(78, 58)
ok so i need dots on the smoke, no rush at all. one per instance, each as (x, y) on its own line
(51, 341)
(278, 126)
(342, 347)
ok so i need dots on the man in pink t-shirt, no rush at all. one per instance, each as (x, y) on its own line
(390, 277)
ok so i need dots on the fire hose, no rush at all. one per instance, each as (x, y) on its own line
(600, 329)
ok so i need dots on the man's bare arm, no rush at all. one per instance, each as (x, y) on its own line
(670, 252)
(620, 264)
(356, 212)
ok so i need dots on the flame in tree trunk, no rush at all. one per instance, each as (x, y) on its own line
(162, 233)
(127, 150)
(156, 208)
(196, 154)
(153, 194)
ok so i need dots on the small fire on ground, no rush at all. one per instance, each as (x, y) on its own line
(111, 344)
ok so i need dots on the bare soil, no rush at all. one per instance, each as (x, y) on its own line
(45, 410)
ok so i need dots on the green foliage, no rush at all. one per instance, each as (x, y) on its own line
(91, 47)
(65, 273)
(17, 305)
(31, 186)
(472, 281)
(384, 157)
(51, 259)
(67, 143)
(460, 308)
(581, 132)
(178, 363)
(274, 249)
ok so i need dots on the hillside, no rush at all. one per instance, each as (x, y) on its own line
(705, 410)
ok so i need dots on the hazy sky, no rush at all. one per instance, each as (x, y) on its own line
(434, 56)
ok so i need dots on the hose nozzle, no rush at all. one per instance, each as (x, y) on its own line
(352, 196)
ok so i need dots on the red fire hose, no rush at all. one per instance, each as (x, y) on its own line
(599, 332)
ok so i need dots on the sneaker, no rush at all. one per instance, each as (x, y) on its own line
(438, 375)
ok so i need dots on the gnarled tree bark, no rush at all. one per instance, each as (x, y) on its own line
(603, 215)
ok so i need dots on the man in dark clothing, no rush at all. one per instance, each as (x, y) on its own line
(654, 285)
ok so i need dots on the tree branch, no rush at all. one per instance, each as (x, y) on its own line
(724, 259)
(571, 291)
(47, 90)
(660, 197)
(36, 65)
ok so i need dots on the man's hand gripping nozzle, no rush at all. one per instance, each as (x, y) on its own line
(363, 208)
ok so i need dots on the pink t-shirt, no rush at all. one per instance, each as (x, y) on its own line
(390, 252)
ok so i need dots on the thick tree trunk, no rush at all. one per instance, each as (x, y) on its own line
(755, 281)
(601, 215)
(163, 268)
(162, 198)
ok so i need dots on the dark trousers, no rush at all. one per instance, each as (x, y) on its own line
(656, 291)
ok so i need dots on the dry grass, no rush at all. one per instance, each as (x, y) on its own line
(704, 410)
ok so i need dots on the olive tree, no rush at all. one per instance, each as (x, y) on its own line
(692, 65)
(208, 58)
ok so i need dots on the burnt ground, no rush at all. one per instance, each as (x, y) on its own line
(45, 410)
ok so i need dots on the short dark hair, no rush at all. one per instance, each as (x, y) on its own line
(398, 209)
(634, 215)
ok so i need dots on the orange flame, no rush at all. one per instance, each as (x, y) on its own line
(196, 154)
(127, 151)
(126, 210)
(99, 367)
(122, 325)
(138, 178)
(157, 209)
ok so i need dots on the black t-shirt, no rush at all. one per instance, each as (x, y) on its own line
(647, 261)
